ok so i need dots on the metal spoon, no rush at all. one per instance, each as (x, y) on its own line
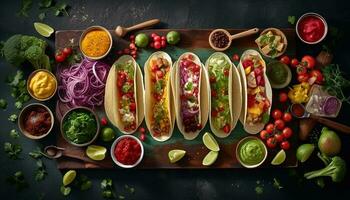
(54, 152)
(331, 124)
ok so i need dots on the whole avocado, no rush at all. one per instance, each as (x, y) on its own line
(329, 142)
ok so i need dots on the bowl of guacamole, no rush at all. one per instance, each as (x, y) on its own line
(79, 126)
(279, 74)
(251, 152)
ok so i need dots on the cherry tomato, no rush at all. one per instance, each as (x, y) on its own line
(303, 77)
(132, 46)
(163, 43)
(226, 128)
(151, 44)
(132, 37)
(163, 38)
(285, 145)
(67, 51)
(142, 130)
(126, 51)
(156, 38)
(235, 57)
(271, 142)
(287, 132)
(294, 62)
(279, 137)
(318, 75)
(301, 70)
(264, 135)
(270, 128)
(142, 137)
(132, 106)
(285, 60)
(276, 114)
(283, 97)
(279, 124)
(59, 57)
(199, 126)
(308, 61)
(104, 121)
(157, 45)
(287, 117)
(153, 35)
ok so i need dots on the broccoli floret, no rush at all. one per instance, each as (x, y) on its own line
(20, 48)
(336, 169)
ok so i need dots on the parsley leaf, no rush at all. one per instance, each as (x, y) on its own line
(291, 20)
(42, 16)
(26, 5)
(65, 190)
(18, 180)
(12, 118)
(36, 154)
(107, 189)
(14, 134)
(12, 150)
(60, 8)
(3, 104)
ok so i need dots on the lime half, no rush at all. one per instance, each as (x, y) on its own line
(279, 158)
(96, 152)
(210, 158)
(210, 142)
(43, 29)
(69, 177)
(175, 155)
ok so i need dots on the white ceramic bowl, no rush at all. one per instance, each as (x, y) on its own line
(317, 16)
(115, 144)
(237, 152)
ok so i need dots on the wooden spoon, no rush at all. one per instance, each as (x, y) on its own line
(231, 37)
(122, 31)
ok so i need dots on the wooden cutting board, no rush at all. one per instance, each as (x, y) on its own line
(156, 153)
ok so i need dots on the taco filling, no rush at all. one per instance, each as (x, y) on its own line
(159, 70)
(219, 70)
(189, 93)
(257, 102)
(126, 94)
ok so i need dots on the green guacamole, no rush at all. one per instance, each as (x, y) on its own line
(277, 73)
(252, 152)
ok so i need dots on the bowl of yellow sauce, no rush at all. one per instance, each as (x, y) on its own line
(42, 85)
(95, 42)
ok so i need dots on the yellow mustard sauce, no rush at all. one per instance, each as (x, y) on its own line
(95, 43)
(42, 85)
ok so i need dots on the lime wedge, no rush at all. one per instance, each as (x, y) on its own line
(43, 29)
(210, 142)
(175, 155)
(96, 152)
(210, 158)
(279, 158)
(69, 177)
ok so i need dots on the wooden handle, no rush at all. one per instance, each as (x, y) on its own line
(244, 33)
(83, 158)
(332, 124)
(142, 25)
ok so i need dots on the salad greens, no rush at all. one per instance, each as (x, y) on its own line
(80, 127)
(18, 180)
(12, 150)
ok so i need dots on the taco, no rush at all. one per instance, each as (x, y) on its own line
(159, 105)
(257, 93)
(221, 72)
(191, 95)
(124, 95)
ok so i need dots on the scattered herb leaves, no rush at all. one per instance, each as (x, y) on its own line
(45, 3)
(277, 184)
(18, 105)
(40, 172)
(65, 190)
(18, 180)
(291, 20)
(36, 154)
(18, 87)
(26, 5)
(60, 9)
(335, 83)
(259, 190)
(12, 118)
(42, 16)
(14, 134)
(3, 104)
(107, 189)
(12, 150)
(82, 182)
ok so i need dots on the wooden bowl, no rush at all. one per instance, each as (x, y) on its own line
(84, 109)
(96, 28)
(275, 31)
(24, 113)
(31, 92)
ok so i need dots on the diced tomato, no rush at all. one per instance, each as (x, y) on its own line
(154, 68)
(247, 62)
(132, 106)
(258, 71)
(212, 79)
(213, 93)
(251, 101)
(260, 81)
(214, 113)
(226, 72)
(226, 128)
(160, 74)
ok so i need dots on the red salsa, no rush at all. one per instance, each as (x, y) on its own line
(311, 28)
(127, 151)
(298, 110)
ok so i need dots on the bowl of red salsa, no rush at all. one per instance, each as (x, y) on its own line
(127, 151)
(311, 28)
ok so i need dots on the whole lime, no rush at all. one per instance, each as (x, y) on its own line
(173, 37)
(107, 134)
(141, 40)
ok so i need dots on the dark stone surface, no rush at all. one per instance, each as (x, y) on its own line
(172, 184)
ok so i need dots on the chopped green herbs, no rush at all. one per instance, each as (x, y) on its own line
(80, 126)
(291, 20)
(12, 150)
(18, 180)
(107, 189)
(65, 190)
(12, 118)
(3, 104)
(14, 134)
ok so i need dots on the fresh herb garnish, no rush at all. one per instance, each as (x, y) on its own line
(60, 9)
(3, 104)
(18, 88)
(14, 134)
(12, 150)
(18, 180)
(42, 16)
(82, 182)
(36, 154)
(335, 83)
(277, 184)
(107, 189)
(291, 20)
(40, 172)
(12, 118)
(65, 190)
(45, 3)
(26, 5)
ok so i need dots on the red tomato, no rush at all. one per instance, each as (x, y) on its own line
(104, 121)
(276, 114)
(287, 132)
(157, 44)
(283, 97)
(264, 135)
(157, 38)
(285, 59)
(132, 106)
(285, 145)
(301, 70)
(153, 35)
(132, 37)
(163, 38)
(163, 43)
(154, 68)
(279, 137)
(212, 79)
(59, 57)
(67, 51)
(142, 137)
(287, 117)
(142, 130)
(303, 77)
(213, 93)
(308, 61)
(214, 113)
(270, 128)
(271, 142)
(318, 75)
(126, 51)
(132, 46)
(226, 72)
(294, 62)
(226, 128)
(160, 74)
(199, 126)
(235, 57)
(279, 124)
